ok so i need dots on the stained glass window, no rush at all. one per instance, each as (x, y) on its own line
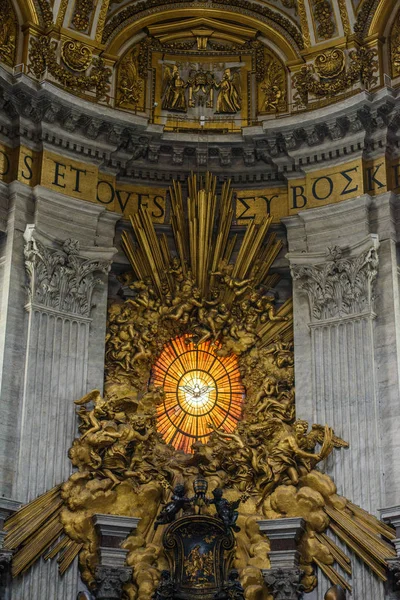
(200, 388)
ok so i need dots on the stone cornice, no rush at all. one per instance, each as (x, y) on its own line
(43, 116)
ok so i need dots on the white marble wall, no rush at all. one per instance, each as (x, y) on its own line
(347, 366)
(52, 355)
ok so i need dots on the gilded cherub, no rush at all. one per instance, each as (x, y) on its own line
(282, 352)
(269, 390)
(91, 419)
(181, 312)
(264, 305)
(238, 286)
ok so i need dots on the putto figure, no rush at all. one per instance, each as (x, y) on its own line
(171, 509)
(225, 510)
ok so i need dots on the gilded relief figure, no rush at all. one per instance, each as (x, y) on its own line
(8, 32)
(173, 90)
(198, 566)
(229, 100)
(130, 86)
(201, 89)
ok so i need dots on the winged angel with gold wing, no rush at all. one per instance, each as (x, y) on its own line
(200, 329)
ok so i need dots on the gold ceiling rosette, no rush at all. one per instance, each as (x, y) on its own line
(199, 380)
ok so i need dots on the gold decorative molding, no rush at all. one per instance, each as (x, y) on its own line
(42, 56)
(8, 32)
(362, 66)
(61, 12)
(330, 64)
(76, 55)
(344, 17)
(102, 20)
(301, 7)
(394, 45)
(82, 13)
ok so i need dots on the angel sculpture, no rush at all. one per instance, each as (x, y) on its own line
(283, 456)
(308, 441)
(229, 99)
(231, 589)
(173, 90)
(90, 419)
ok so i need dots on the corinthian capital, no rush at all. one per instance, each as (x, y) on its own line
(284, 584)
(340, 286)
(61, 279)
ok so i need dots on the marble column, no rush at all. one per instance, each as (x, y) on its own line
(283, 578)
(56, 256)
(346, 334)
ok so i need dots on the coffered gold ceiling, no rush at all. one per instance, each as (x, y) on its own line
(276, 57)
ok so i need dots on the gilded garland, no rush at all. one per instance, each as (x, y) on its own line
(328, 76)
(42, 57)
(199, 380)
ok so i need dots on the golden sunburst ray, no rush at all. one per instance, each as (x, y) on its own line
(203, 241)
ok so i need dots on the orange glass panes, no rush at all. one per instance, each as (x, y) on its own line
(200, 388)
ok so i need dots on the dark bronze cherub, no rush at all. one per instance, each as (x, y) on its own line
(165, 588)
(231, 589)
(226, 510)
(171, 509)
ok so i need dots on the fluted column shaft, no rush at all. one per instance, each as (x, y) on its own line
(346, 333)
(56, 255)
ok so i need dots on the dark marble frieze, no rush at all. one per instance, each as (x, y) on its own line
(142, 152)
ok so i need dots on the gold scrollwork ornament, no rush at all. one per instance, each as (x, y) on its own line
(330, 63)
(362, 67)
(76, 55)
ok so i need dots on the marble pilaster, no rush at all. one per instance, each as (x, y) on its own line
(54, 346)
(346, 333)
